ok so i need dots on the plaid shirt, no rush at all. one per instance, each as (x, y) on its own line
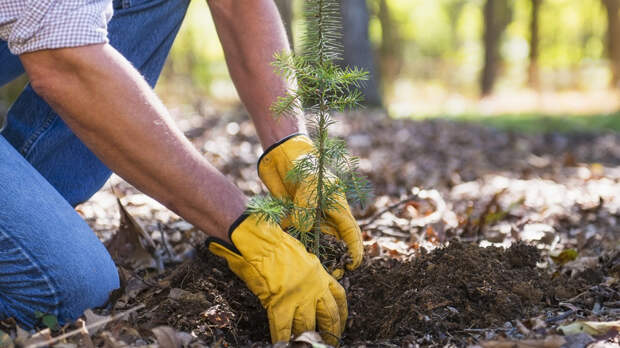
(32, 25)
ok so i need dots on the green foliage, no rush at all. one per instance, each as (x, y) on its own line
(50, 321)
(321, 39)
(330, 171)
(536, 123)
(269, 208)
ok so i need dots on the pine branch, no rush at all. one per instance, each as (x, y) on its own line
(269, 208)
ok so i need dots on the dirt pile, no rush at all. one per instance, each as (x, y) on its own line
(207, 299)
(459, 287)
(442, 293)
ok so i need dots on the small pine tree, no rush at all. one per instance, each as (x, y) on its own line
(322, 88)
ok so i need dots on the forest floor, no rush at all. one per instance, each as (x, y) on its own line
(476, 236)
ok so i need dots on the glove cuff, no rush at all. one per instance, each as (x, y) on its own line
(276, 144)
(230, 246)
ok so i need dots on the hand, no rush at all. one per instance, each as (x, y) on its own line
(273, 166)
(291, 283)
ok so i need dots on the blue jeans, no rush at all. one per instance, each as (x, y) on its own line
(50, 260)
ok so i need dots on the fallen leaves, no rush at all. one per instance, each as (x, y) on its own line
(590, 327)
(309, 339)
(168, 337)
(565, 256)
(218, 317)
(435, 181)
(5, 340)
(547, 342)
(131, 245)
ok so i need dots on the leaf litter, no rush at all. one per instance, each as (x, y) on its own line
(477, 237)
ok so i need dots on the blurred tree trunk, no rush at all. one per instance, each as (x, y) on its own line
(613, 38)
(533, 79)
(390, 58)
(357, 49)
(286, 13)
(496, 17)
(454, 9)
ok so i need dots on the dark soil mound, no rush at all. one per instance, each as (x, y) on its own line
(206, 298)
(459, 287)
(440, 293)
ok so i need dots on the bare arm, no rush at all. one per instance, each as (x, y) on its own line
(115, 113)
(251, 32)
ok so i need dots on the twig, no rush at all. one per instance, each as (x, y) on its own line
(146, 282)
(81, 329)
(88, 343)
(164, 240)
(392, 233)
(561, 316)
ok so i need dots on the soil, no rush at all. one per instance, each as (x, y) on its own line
(212, 303)
(435, 182)
(449, 290)
(443, 293)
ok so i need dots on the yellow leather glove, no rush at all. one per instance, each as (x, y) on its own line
(273, 166)
(291, 283)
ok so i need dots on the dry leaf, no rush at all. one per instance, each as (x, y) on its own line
(590, 327)
(131, 244)
(5, 340)
(548, 342)
(581, 264)
(565, 256)
(309, 339)
(218, 317)
(37, 340)
(167, 337)
(111, 342)
(199, 299)
(92, 318)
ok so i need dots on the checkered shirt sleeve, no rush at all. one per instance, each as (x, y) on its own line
(32, 25)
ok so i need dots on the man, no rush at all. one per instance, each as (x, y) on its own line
(86, 103)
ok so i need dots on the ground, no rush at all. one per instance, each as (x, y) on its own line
(476, 236)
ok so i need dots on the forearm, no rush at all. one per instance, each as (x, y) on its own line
(251, 32)
(114, 112)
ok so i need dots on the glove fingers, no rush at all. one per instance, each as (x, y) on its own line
(329, 229)
(328, 319)
(338, 273)
(280, 323)
(348, 231)
(305, 319)
(340, 296)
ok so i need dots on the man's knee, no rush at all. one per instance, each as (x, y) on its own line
(65, 293)
(87, 285)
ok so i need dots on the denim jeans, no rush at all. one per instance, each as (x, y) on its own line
(50, 260)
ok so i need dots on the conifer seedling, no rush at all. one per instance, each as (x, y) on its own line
(322, 87)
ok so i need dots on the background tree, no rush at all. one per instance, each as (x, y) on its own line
(454, 9)
(613, 39)
(496, 18)
(426, 52)
(389, 52)
(357, 48)
(533, 79)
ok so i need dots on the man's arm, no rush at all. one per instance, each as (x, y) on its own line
(251, 32)
(112, 109)
(115, 113)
